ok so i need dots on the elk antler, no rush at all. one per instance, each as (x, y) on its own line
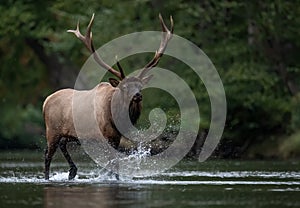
(166, 36)
(88, 42)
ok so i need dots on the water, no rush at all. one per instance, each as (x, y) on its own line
(189, 184)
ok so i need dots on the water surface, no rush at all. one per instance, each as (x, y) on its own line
(215, 183)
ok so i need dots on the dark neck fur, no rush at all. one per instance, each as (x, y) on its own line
(135, 111)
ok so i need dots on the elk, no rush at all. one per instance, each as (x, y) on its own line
(57, 108)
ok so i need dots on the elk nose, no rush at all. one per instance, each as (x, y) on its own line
(137, 97)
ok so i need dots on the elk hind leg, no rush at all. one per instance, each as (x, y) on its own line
(50, 150)
(63, 148)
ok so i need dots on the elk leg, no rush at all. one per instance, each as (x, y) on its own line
(63, 148)
(117, 168)
(50, 150)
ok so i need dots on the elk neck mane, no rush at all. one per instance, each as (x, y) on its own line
(135, 111)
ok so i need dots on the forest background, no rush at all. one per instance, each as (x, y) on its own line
(254, 45)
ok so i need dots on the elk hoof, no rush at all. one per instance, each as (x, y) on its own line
(46, 175)
(72, 173)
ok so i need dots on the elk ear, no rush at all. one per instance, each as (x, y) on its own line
(146, 79)
(113, 82)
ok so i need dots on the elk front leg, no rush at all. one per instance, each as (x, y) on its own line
(63, 148)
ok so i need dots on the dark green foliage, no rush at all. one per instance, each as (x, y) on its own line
(253, 44)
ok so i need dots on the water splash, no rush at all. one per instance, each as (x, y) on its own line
(135, 159)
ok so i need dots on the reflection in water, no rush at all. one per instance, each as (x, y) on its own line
(93, 196)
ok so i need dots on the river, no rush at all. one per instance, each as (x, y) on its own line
(214, 183)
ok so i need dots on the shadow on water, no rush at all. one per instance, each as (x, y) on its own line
(189, 184)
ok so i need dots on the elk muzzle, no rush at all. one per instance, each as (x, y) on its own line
(138, 97)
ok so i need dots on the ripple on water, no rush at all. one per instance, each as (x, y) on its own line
(167, 178)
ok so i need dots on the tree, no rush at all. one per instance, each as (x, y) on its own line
(253, 45)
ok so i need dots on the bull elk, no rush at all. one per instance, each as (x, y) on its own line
(57, 108)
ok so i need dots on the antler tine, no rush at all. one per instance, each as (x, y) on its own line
(163, 25)
(88, 42)
(89, 35)
(120, 68)
(166, 37)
